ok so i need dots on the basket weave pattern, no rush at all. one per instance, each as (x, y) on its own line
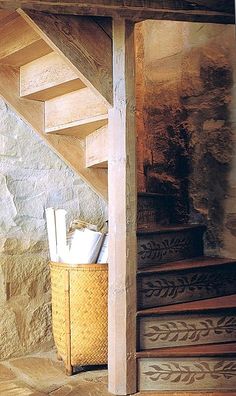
(79, 312)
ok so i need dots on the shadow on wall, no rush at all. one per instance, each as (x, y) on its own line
(188, 130)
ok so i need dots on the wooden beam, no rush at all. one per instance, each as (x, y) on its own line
(97, 149)
(218, 11)
(82, 43)
(122, 214)
(68, 148)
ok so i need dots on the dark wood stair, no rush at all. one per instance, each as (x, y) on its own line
(186, 318)
(163, 244)
(199, 368)
(192, 323)
(174, 284)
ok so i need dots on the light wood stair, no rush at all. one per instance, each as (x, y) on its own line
(59, 80)
(186, 317)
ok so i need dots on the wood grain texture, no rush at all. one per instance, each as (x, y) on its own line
(122, 214)
(167, 288)
(79, 108)
(97, 148)
(163, 331)
(69, 149)
(156, 248)
(225, 302)
(153, 210)
(19, 43)
(48, 77)
(186, 10)
(188, 374)
(82, 43)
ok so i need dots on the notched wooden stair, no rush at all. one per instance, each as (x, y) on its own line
(186, 318)
(59, 80)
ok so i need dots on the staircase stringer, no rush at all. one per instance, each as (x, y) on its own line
(69, 148)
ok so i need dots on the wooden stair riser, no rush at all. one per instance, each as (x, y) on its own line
(48, 77)
(187, 374)
(163, 331)
(159, 248)
(20, 44)
(159, 289)
(83, 112)
(153, 210)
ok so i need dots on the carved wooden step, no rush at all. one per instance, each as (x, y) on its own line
(190, 280)
(48, 77)
(170, 243)
(153, 210)
(83, 112)
(199, 368)
(195, 323)
(19, 43)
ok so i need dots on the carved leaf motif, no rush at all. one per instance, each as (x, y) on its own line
(158, 250)
(183, 331)
(177, 372)
(210, 283)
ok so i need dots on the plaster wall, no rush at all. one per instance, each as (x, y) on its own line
(187, 121)
(32, 177)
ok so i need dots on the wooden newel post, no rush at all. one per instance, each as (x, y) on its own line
(122, 214)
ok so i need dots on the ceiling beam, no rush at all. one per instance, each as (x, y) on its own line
(182, 10)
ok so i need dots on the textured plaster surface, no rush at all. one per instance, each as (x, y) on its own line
(187, 123)
(32, 178)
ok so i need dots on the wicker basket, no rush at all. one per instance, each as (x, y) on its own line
(79, 313)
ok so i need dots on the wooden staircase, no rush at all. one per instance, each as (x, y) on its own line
(59, 80)
(186, 319)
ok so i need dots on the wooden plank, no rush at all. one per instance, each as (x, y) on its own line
(155, 248)
(176, 329)
(48, 77)
(185, 10)
(209, 305)
(122, 214)
(97, 149)
(197, 350)
(82, 108)
(69, 149)
(160, 289)
(19, 43)
(82, 43)
(188, 374)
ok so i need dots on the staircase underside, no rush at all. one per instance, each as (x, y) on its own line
(59, 81)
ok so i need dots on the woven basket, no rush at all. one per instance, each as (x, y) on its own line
(79, 313)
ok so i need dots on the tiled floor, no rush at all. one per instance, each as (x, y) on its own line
(43, 374)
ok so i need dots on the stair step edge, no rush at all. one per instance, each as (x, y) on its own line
(227, 349)
(211, 304)
(172, 228)
(188, 264)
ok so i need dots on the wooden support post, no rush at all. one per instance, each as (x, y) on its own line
(122, 214)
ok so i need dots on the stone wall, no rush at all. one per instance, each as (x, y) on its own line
(32, 177)
(188, 125)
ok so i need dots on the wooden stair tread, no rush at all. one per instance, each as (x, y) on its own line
(171, 228)
(198, 262)
(193, 306)
(19, 43)
(190, 351)
(48, 77)
(153, 195)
